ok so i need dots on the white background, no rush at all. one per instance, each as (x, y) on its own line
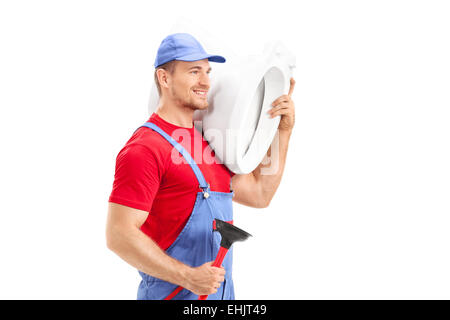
(363, 208)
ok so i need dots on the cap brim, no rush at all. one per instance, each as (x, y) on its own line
(201, 56)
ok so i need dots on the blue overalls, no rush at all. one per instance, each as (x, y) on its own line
(197, 243)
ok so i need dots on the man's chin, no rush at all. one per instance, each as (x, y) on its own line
(203, 107)
(197, 106)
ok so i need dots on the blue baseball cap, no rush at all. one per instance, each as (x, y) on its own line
(183, 47)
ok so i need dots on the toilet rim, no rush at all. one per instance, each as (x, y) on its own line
(247, 160)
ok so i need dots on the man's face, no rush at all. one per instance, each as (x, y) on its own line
(190, 84)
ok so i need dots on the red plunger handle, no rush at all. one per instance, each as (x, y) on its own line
(217, 263)
(174, 293)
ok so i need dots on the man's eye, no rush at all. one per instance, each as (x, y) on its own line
(194, 72)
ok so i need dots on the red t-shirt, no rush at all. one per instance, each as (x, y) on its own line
(153, 176)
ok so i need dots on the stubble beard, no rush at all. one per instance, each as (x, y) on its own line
(189, 103)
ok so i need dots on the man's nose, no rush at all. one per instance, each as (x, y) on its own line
(204, 80)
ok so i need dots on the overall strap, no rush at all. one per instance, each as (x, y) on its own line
(201, 180)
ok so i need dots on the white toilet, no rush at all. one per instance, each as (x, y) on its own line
(236, 124)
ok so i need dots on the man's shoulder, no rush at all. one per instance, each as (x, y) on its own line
(148, 138)
(146, 143)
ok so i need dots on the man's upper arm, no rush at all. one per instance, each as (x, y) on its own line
(247, 190)
(123, 216)
(121, 219)
(136, 182)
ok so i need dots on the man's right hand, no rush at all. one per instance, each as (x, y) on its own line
(125, 238)
(205, 279)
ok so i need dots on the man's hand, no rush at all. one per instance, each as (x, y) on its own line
(205, 279)
(284, 106)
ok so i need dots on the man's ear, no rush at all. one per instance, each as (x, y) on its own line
(163, 78)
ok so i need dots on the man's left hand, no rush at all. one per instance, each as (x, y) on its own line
(284, 107)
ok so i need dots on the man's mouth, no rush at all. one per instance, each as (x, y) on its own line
(201, 93)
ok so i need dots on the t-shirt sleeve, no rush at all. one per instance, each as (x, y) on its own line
(137, 177)
(230, 172)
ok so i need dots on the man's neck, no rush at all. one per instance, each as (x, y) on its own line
(179, 116)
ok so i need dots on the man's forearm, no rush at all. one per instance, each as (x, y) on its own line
(269, 175)
(133, 246)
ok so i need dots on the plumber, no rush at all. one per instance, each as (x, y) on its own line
(161, 211)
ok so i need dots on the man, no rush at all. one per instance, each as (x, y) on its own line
(161, 209)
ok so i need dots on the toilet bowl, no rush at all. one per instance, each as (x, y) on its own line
(236, 124)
